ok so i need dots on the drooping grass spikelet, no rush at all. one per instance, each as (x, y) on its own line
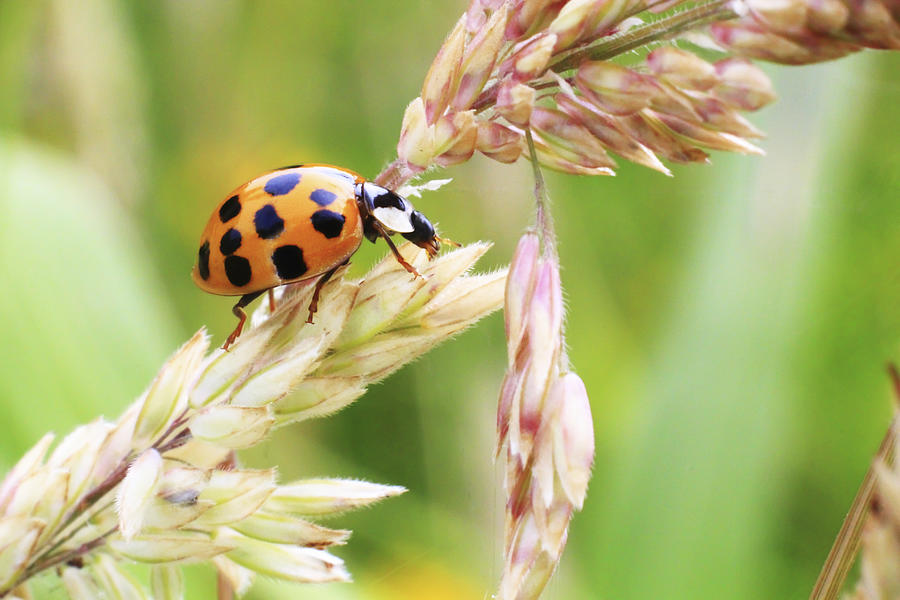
(543, 414)
(544, 421)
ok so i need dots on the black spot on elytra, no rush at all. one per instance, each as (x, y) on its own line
(237, 269)
(328, 223)
(282, 184)
(389, 200)
(230, 242)
(289, 263)
(322, 197)
(230, 209)
(203, 261)
(268, 224)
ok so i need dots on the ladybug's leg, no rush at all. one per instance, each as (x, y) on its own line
(238, 311)
(314, 303)
(396, 252)
(271, 300)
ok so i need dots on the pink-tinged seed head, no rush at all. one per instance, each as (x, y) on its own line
(529, 16)
(722, 117)
(783, 16)
(478, 13)
(609, 17)
(544, 317)
(614, 88)
(674, 102)
(875, 24)
(522, 553)
(681, 68)
(826, 16)
(561, 135)
(651, 132)
(753, 40)
(443, 73)
(553, 160)
(543, 465)
(530, 560)
(573, 20)
(416, 144)
(504, 407)
(498, 142)
(515, 101)
(530, 59)
(543, 323)
(608, 131)
(743, 84)
(553, 524)
(574, 443)
(707, 137)
(520, 286)
(454, 138)
(478, 62)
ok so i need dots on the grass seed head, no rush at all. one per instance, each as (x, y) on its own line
(506, 61)
(169, 460)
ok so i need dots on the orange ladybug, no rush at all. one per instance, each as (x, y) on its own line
(297, 223)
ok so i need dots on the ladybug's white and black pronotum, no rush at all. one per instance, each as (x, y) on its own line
(298, 223)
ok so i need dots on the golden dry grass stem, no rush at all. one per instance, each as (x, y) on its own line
(872, 521)
(162, 486)
(843, 552)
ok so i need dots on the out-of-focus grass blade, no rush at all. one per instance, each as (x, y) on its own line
(82, 323)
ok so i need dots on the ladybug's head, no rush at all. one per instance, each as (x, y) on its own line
(394, 214)
(423, 234)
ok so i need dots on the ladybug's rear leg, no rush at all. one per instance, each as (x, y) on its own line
(314, 303)
(238, 311)
(271, 300)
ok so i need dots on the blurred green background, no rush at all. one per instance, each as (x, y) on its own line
(731, 323)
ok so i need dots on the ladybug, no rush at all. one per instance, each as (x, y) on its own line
(298, 223)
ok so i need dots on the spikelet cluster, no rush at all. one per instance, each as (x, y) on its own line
(161, 485)
(512, 65)
(546, 78)
(544, 421)
(799, 32)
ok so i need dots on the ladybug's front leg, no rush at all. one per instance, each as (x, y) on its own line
(238, 311)
(397, 255)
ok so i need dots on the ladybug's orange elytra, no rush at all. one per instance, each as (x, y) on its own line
(297, 223)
